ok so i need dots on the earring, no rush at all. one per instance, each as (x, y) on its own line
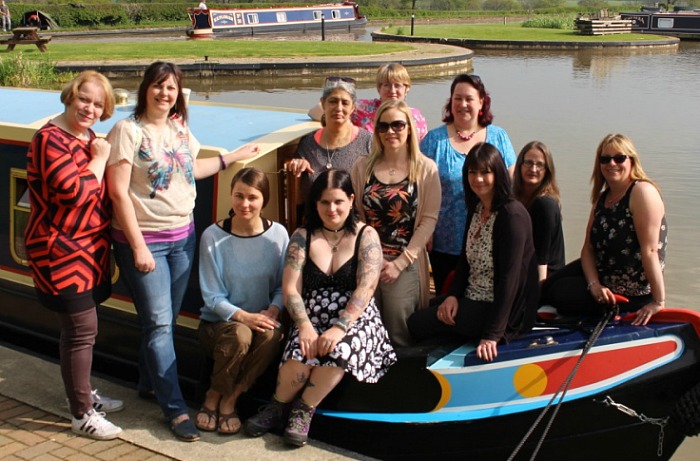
(481, 112)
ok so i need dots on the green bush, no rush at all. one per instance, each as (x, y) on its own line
(550, 22)
(16, 71)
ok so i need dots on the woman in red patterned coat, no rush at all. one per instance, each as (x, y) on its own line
(67, 238)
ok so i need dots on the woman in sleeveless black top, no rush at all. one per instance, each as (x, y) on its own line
(625, 248)
(331, 271)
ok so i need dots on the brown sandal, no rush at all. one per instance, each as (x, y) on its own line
(211, 416)
(233, 422)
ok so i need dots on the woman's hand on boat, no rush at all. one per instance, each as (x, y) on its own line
(643, 315)
(328, 340)
(603, 294)
(308, 340)
(298, 166)
(447, 311)
(487, 350)
(143, 260)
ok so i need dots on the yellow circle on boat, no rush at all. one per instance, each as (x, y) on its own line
(530, 380)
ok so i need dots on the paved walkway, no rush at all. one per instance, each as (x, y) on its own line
(35, 425)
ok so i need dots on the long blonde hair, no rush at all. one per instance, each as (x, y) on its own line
(415, 157)
(548, 186)
(623, 145)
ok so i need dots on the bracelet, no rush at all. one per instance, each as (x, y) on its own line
(342, 324)
(223, 162)
(660, 303)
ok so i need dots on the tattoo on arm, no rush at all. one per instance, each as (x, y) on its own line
(297, 310)
(369, 262)
(296, 252)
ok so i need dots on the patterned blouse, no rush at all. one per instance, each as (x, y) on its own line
(391, 210)
(479, 249)
(618, 256)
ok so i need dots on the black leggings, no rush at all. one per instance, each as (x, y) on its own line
(567, 290)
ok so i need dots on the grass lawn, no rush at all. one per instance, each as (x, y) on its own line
(513, 32)
(193, 49)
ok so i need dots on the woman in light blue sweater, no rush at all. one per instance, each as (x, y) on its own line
(240, 274)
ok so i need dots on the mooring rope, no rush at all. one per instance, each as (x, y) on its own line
(563, 389)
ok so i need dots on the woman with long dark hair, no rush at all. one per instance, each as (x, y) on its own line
(493, 296)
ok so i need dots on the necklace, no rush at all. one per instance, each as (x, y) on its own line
(334, 247)
(329, 158)
(611, 200)
(335, 231)
(463, 137)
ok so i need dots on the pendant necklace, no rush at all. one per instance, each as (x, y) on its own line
(329, 158)
(392, 172)
(334, 248)
(463, 137)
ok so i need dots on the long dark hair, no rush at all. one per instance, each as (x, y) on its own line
(485, 116)
(158, 72)
(548, 186)
(485, 156)
(329, 179)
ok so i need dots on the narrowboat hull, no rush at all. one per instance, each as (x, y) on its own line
(684, 25)
(438, 401)
(253, 21)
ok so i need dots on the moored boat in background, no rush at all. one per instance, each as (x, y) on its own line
(681, 23)
(253, 21)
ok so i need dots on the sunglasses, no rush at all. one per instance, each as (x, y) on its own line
(617, 158)
(396, 125)
(334, 79)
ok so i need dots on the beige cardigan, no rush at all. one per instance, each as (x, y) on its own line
(429, 199)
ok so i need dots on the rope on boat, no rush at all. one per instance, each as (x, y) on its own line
(661, 422)
(685, 416)
(563, 388)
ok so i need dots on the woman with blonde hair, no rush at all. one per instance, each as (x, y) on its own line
(398, 193)
(625, 247)
(535, 185)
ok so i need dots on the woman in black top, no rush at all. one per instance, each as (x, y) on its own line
(493, 296)
(535, 185)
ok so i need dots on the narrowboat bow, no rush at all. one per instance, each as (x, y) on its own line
(252, 21)
(619, 392)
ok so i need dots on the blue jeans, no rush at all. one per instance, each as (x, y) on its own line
(158, 297)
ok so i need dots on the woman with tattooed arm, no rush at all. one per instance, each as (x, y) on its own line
(330, 274)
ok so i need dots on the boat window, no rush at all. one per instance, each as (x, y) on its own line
(19, 214)
(281, 16)
(335, 14)
(665, 23)
(253, 18)
(318, 15)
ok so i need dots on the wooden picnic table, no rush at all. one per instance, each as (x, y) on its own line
(26, 36)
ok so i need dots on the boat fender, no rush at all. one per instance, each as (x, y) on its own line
(685, 415)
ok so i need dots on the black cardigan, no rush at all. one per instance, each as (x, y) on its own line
(516, 281)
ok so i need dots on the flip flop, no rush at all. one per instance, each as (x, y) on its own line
(233, 421)
(211, 416)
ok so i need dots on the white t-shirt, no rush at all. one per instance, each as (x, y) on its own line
(162, 186)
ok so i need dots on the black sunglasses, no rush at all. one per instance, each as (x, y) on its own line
(396, 125)
(617, 158)
(333, 79)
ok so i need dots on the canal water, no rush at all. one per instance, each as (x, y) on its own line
(569, 100)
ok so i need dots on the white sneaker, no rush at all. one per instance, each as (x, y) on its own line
(94, 425)
(103, 404)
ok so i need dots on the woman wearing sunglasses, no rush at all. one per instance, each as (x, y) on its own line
(535, 185)
(393, 83)
(494, 293)
(467, 116)
(625, 244)
(398, 193)
(336, 145)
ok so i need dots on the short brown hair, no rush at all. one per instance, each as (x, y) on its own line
(254, 178)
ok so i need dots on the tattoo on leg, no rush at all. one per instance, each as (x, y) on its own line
(300, 380)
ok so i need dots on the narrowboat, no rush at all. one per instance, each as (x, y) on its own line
(575, 389)
(253, 21)
(681, 23)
